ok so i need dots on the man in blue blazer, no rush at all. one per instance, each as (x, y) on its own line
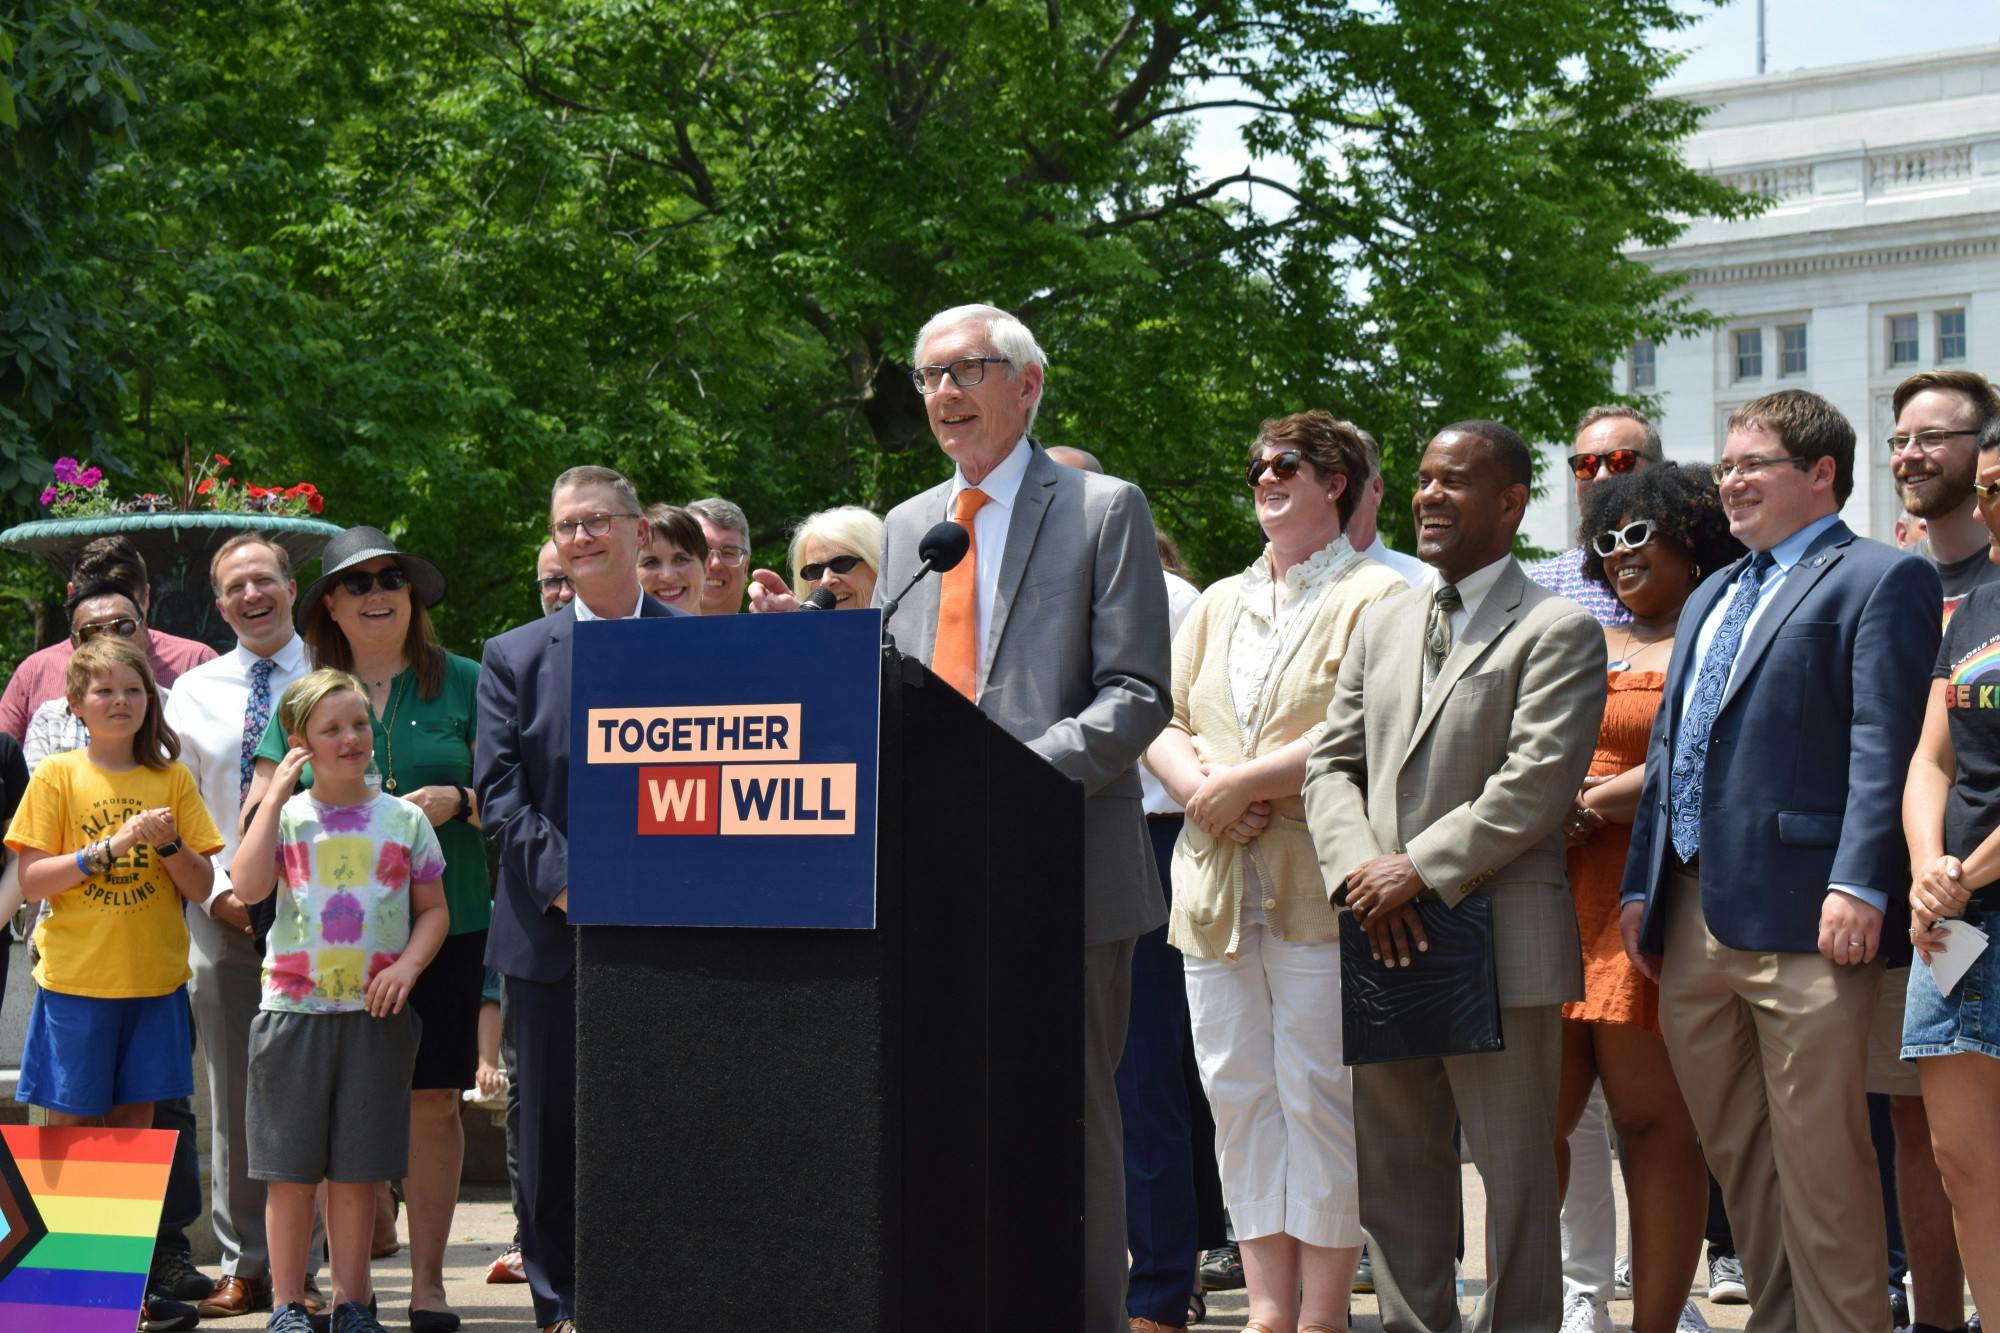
(1768, 875)
(522, 771)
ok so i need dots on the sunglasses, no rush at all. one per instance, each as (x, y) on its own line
(840, 564)
(1987, 491)
(1282, 468)
(364, 581)
(124, 627)
(1632, 536)
(1585, 466)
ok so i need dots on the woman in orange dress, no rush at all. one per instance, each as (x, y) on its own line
(1650, 537)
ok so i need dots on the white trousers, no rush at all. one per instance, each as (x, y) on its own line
(1267, 1040)
(1590, 1209)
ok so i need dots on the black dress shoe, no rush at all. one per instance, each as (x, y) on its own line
(433, 1321)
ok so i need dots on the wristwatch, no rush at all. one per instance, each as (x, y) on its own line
(464, 802)
(169, 847)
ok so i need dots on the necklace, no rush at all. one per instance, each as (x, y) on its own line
(389, 737)
(1624, 662)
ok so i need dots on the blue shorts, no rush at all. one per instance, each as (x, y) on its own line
(1967, 1021)
(85, 1055)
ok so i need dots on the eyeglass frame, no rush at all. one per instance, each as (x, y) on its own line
(1751, 467)
(1621, 537)
(1282, 466)
(596, 525)
(840, 564)
(84, 633)
(722, 553)
(1898, 441)
(361, 582)
(1585, 467)
(951, 369)
(1986, 490)
(548, 583)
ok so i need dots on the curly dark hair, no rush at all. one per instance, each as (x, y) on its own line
(1681, 502)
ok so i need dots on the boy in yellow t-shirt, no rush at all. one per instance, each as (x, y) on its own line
(114, 836)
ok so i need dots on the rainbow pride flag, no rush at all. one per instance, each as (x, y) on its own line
(98, 1193)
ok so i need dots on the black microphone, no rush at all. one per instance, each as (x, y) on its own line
(821, 599)
(941, 548)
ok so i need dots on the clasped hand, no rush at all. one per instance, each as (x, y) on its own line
(1938, 893)
(1379, 893)
(1222, 808)
(150, 826)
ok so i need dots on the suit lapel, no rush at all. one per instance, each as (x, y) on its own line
(1821, 556)
(933, 508)
(1031, 505)
(1495, 614)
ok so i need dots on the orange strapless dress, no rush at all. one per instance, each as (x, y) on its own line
(1612, 991)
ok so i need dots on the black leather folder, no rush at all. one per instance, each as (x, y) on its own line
(1446, 1002)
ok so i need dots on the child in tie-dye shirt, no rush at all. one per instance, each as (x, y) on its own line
(360, 913)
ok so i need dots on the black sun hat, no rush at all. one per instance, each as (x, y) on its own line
(357, 546)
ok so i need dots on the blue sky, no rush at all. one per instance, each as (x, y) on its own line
(1807, 34)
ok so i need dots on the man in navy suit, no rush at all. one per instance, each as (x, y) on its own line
(1768, 875)
(522, 772)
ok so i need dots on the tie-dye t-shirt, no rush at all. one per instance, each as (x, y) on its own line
(344, 877)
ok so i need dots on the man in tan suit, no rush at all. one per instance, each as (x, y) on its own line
(1483, 697)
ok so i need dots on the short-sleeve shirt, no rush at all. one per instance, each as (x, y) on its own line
(343, 914)
(1969, 665)
(1563, 575)
(43, 674)
(432, 747)
(119, 934)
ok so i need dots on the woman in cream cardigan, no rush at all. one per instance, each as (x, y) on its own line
(1253, 672)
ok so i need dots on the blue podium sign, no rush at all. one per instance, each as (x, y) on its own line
(723, 771)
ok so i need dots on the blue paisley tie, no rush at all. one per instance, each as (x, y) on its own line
(1691, 749)
(256, 717)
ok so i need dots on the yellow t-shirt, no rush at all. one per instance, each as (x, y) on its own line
(118, 935)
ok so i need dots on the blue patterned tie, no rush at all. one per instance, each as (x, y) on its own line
(256, 717)
(1691, 750)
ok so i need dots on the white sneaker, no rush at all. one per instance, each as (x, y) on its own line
(1621, 1279)
(1583, 1315)
(1691, 1321)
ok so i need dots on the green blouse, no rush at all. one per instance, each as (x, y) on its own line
(432, 748)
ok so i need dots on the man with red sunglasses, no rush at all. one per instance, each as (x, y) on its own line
(1610, 440)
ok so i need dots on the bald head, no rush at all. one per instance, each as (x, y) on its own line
(1080, 459)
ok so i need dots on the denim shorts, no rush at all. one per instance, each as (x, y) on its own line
(1968, 1019)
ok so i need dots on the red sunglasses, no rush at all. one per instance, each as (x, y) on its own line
(1584, 466)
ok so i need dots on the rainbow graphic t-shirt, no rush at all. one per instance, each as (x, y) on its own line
(1973, 678)
(344, 877)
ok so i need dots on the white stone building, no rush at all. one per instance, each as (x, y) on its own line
(1880, 257)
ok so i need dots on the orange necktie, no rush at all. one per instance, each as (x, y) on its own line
(955, 658)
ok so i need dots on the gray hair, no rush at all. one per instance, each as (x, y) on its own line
(851, 529)
(589, 474)
(722, 513)
(1650, 446)
(1009, 336)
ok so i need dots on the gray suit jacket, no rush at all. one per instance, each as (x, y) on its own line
(1473, 785)
(1077, 666)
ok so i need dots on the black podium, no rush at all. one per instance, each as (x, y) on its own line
(853, 1129)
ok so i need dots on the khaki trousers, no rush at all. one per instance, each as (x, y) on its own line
(1771, 1052)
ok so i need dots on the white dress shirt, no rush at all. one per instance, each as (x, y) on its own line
(583, 611)
(1784, 556)
(989, 531)
(1181, 597)
(1413, 570)
(1472, 590)
(206, 711)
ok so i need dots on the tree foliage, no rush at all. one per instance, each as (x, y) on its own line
(428, 254)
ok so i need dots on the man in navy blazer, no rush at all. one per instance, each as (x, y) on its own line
(522, 771)
(1768, 875)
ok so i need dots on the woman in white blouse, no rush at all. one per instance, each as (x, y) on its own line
(1254, 668)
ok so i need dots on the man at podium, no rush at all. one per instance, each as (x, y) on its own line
(1055, 624)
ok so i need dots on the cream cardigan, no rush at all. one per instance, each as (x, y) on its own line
(1208, 872)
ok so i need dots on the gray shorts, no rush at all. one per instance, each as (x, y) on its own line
(329, 1096)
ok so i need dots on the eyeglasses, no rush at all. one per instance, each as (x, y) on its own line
(361, 582)
(1282, 468)
(1927, 440)
(840, 564)
(731, 556)
(1987, 491)
(965, 372)
(564, 530)
(1585, 466)
(124, 627)
(1632, 536)
(1750, 468)
(551, 584)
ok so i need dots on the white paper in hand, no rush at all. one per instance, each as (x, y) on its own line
(1962, 946)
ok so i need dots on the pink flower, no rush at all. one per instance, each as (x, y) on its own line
(66, 469)
(49, 496)
(392, 868)
(89, 477)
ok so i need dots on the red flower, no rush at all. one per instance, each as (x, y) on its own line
(225, 462)
(258, 492)
(314, 503)
(207, 485)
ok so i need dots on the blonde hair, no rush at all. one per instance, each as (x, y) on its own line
(849, 529)
(295, 706)
(155, 745)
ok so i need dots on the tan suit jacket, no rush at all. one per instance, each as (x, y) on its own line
(1474, 782)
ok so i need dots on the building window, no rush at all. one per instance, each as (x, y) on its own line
(1792, 349)
(1951, 335)
(1902, 340)
(1749, 354)
(1645, 362)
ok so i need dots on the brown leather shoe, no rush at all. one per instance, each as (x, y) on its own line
(235, 1296)
(315, 1302)
(1153, 1326)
